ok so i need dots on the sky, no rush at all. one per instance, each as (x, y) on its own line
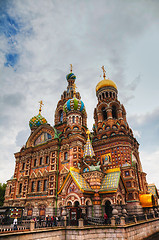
(40, 39)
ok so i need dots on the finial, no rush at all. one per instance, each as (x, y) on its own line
(88, 132)
(70, 67)
(74, 90)
(103, 72)
(41, 103)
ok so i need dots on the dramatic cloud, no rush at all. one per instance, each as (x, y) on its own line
(39, 39)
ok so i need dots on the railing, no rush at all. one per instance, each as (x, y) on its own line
(114, 221)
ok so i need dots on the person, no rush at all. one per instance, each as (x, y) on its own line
(52, 221)
(15, 222)
(105, 218)
(39, 221)
(47, 220)
(55, 223)
(35, 221)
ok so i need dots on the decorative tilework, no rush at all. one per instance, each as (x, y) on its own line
(88, 149)
(152, 190)
(110, 181)
(80, 181)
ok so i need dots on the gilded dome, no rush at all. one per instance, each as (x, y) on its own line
(74, 104)
(105, 83)
(36, 121)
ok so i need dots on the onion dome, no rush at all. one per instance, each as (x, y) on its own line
(105, 82)
(38, 120)
(88, 149)
(70, 76)
(74, 104)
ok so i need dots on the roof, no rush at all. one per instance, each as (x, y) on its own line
(146, 200)
(78, 179)
(88, 149)
(110, 182)
(152, 190)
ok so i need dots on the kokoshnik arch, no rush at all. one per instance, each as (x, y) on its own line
(66, 165)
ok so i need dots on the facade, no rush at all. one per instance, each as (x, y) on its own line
(66, 166)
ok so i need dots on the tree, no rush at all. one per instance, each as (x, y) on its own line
(2, 192)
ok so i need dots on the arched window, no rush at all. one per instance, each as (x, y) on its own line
(20, 188)
(114, 113)
(73, 119)
(38, 186)
(35, 162)
(32, 186)
(40, 162)
(104, 112)
(65, 156)
(61, 115)
(106, 94)
(45, 185)
(47, 159)
(10, 189)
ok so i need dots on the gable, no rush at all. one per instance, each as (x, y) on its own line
(41, 135)
(79, 181)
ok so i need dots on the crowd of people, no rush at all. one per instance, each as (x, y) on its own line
(49, 221)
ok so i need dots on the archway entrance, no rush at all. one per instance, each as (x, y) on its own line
(108, 208)
(74, 214)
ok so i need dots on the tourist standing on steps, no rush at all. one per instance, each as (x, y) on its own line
(15, 222)
(105, 218)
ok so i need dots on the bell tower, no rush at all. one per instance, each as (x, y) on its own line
(113, 141)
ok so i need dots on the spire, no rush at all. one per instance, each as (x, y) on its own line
(88, 149)
(41, 103)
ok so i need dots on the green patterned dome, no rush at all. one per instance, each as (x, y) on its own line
(74, 104)
(36, 121)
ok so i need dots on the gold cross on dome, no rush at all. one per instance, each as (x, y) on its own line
(70, 67)
(103, 72)
(41, 103)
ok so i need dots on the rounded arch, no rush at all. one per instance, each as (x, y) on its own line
(88, 202)
(120, 199)
(75, 195)
(107, 199)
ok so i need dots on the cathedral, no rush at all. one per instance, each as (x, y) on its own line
(67, 166)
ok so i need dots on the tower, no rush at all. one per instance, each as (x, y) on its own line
(113, 141)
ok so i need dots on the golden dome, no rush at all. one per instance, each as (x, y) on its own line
(105, 83)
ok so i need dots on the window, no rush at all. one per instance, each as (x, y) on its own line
(114, 113)
(65, 156)
(45, 185)
(127, 173)
(20, 188)
(23, 166)
(104, 112)
(41, 159)
(73, 119)
(35, 162)
(38, 186)
(32, 186)
(61, 115)
(128, 184)
(47, 159)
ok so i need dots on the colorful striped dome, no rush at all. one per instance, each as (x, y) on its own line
(74, 104)
(70, 76)
(36, 121)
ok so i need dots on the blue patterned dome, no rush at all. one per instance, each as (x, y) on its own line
(74, 104)
(70, 76)
(36, 121)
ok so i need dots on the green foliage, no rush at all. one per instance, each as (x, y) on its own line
(2, 192)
